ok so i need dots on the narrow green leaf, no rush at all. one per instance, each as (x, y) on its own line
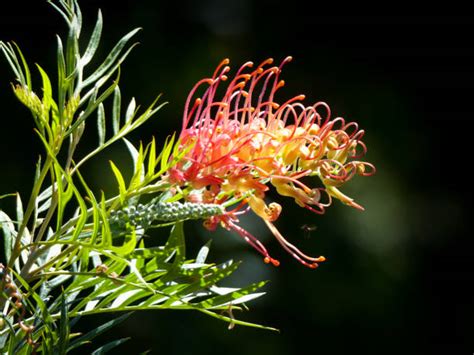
(12, 60)
(94, 41)
(203, 252)
(64, 330)
(9, 234)
(92, 105)
(147, 253)
(46, 194)
(151, 158)
(6, 334)
(41, 307)
(83, 210)
(86, 338)
(121, 296)
(128, 245)
(236, 321)
(63, 195)
(166, 152)
(79, 226)
(137, 158)
(211, 278)
(150, 111)
(106, 234)
(44, 207)
(131, 110)
(35, 180)
(101, 123)
(230, 297)
(82, 283)
(47, 89)
(13, 342)
(26, 69)
(61, 75)
(109, 346)
(112, 58)
(103, 286)
(77, 11)
(65, 13)
(116, 110)
(122, 299)
(72, 49)
(91, 96)
(177, 241)
(120, 181)
(160, 262)
(19, 209)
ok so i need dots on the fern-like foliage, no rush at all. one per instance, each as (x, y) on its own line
(61, 266)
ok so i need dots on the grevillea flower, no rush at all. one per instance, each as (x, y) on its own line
(238, 141)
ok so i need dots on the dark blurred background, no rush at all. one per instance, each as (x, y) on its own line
(398, 275)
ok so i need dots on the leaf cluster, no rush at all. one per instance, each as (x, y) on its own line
(63, 257)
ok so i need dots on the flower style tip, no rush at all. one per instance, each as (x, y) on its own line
(240, 141)
(304, 259)
(268, 260)
(228, 221)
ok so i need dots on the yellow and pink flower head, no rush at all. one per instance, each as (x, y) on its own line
(239, 141)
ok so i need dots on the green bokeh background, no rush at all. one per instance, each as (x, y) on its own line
(398, 275)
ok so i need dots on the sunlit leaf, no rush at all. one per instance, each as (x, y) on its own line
(9, 233)
(116, 110)
(138, 167)
(203, 253)
(112, 58)
(101, 123)
(151, 158)
(19, 209)
(120, 181)
(233, 297)
(94, 41)
(130, 113)
(47, 89)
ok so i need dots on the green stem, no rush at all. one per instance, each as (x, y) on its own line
(49, 215)
(147, 308)
(29, 210)
(54, 200)
(144, 190)
(25, 271)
